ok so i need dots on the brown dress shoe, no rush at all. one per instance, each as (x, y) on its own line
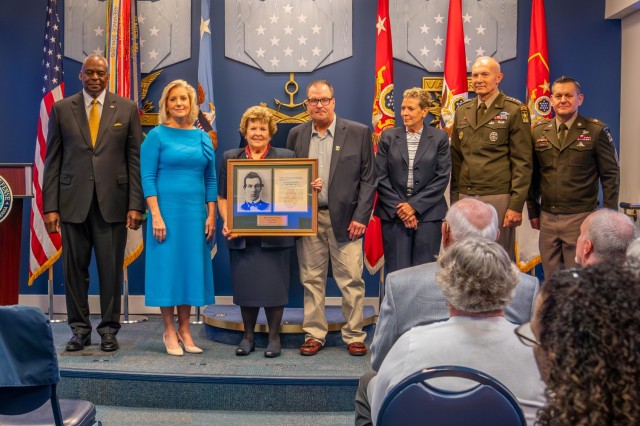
(357, 349)
(310, 347)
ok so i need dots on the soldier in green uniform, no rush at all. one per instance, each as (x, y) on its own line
(572, 154)
(491, 153)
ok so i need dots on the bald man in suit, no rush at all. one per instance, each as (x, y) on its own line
(92, 194)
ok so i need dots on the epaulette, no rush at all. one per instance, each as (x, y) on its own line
(514, 100)
(594, 121)
(539, 122)
(467, 101)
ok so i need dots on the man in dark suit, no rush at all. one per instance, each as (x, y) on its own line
(252, 188)
(92, 193)
(346, 163)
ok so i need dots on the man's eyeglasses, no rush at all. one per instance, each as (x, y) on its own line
(315, 102)
(526, 336)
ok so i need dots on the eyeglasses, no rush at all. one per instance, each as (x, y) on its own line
(526, 336)
(315, 102)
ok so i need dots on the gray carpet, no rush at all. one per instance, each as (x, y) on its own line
(142, 350)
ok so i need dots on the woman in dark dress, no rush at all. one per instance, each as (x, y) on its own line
(259, 265)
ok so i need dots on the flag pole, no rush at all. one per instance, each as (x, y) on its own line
(53, 318)
(126, 318)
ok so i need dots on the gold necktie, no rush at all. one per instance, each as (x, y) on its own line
(481, 109)
(562, 133)
(94, 121)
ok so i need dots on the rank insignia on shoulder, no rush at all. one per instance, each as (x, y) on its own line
(514, 100)
(524, 112)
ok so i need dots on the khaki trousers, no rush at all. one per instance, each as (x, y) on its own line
(500, 202)
(347, 263)
(558, 237)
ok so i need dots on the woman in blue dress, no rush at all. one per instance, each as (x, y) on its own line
(177, 164)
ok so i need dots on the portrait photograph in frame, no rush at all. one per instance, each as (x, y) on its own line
(272, 197)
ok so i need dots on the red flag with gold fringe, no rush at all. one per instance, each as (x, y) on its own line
(382, 117)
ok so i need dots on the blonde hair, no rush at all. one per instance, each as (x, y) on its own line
(258, 113)
(163, 117)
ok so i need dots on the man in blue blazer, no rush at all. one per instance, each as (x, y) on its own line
(92, 190)
(413, 165)
(413, 297)
(345, 162)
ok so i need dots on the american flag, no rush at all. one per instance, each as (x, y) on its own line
(45, 248)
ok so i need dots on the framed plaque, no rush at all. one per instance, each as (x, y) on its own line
(272, 197)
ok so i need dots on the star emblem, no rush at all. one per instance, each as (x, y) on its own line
(380, 25)
(204, 27)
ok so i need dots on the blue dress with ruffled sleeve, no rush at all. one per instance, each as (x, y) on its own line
(178, 166)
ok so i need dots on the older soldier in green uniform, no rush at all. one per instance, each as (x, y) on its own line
(491, 152)
(572, 154)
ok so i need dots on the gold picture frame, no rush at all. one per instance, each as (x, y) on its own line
(272, 197)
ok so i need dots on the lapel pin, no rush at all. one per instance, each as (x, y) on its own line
(337, 148)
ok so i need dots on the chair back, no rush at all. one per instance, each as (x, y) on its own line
(414, 401)
(29, 373)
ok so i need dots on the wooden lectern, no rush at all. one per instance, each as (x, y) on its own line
(19, 177)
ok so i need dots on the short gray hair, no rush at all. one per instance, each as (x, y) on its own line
(610, 232)
(472, 217)
(476, 275)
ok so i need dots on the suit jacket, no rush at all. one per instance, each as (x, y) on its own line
(412, 298)
(240, 243)
(431, 170)
(74, 169)
(351, 186)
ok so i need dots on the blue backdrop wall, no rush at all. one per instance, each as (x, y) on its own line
(582, 44)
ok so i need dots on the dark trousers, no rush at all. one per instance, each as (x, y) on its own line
(108, 241)
(363, 407)
(410, 247)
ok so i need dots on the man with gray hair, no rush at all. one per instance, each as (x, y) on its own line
(605, 235)
(477, 278)
(412, 296)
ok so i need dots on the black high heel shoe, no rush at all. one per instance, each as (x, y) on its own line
(245, 348)
(273, 349)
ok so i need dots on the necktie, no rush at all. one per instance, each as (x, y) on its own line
(94, 121)
(481, 109)
(562, 133)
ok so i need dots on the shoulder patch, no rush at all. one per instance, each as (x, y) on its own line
(514, 100)
(524, 113)
(608, 133)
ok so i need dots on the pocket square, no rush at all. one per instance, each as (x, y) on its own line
(117, 124)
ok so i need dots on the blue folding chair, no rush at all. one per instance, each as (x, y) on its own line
(415, 402)
(29, 373)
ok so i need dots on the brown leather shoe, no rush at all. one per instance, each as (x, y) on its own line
(310, 347)
(357, 349)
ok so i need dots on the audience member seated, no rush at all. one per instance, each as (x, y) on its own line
(477, 279)
(604, 237)
(586, 340)
(412, 296)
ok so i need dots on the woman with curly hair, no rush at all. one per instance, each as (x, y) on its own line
(586, 339)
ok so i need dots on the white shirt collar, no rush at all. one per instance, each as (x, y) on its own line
(88, 98)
